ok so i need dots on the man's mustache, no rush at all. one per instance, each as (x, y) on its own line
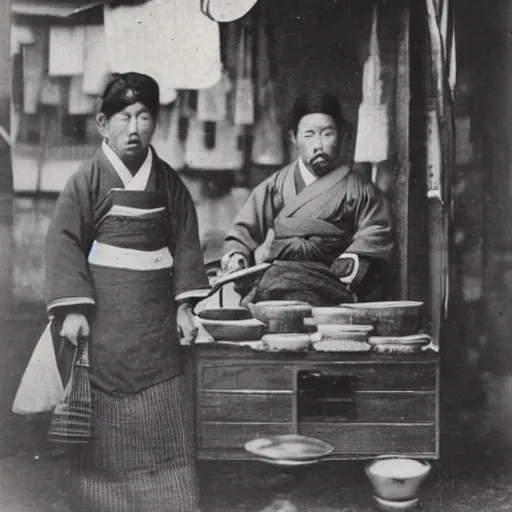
(320, 156)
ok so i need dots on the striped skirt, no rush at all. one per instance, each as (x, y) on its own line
(142, 455)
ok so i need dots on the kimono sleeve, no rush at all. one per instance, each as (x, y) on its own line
(190, 280)
(68, 282)
(253, 221)
(373, 235)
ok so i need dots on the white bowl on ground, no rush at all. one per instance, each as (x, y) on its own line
(397, 478)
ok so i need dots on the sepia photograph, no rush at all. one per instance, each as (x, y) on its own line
(255, 256)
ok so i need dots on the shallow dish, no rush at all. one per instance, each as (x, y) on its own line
(396, 506)
(415, 339)
(331, 345)
(396, 348)
(397, 478)
(289, 447)
(347, 332)
(286, 342)
(231, 324)
(290, 463)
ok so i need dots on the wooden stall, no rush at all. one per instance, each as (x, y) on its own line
(362, 405)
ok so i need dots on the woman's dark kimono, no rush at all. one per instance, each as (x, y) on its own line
(125, 257)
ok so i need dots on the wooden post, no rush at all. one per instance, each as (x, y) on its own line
(6, 182)
(401, 196)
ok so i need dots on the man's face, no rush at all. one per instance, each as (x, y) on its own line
(317, 143)
(129, 131)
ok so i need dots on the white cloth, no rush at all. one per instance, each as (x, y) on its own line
(66, 51)
(170, 40)
(20, 35)
(96, 69)
(306, 174)
(106, 255)
(79, 102)
(137, 182)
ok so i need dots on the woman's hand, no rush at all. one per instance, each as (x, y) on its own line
(75, 325)
(186, 325)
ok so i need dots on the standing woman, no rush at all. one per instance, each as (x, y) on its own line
(124, 269)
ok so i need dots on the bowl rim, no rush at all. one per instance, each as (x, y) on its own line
(380, 458)
(347, 328)
(403, 503)
(385, 304)
(281, 303)
(246, 322)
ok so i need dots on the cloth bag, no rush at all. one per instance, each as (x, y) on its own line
(41, 387)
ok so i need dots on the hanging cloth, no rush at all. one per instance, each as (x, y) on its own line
(372, 142)
(51, 92)
(96, 70)
(268, 137)
(166, 140)
(79, 103)
(170, 40)
(66, 51)
(20, 36)
(34, 57)
(244, 93)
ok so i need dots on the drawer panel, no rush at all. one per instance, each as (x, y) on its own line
(396, 407)
(383, 377)
(235, 435)
(257, 377)
(263, 407)
(372, 439)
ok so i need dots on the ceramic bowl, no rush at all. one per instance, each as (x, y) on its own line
(281, 316)
(286, 342)
(344, 332)
(389, 318)
(396, 506)
(397, 478)
(332, 315)
(231, 324)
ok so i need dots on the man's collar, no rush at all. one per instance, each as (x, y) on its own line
(306, 174)
(140, 179)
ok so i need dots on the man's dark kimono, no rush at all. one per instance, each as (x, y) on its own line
(336, 215)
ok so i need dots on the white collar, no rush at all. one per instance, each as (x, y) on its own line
(306, 174)
(137, 182)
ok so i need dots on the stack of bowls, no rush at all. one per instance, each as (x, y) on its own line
(396, 324)
(396, 482)
(285, 330)
(342, 338)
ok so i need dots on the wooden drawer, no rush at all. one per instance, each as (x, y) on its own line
(407, 407)
(235, 435)
(377, 377)
(360, 439)
(249, 377)
(260, 406)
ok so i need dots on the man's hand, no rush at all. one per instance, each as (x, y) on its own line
(74, 326)
(186, 325)
(234, 262)
(262, 253)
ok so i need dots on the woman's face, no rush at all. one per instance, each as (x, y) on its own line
(129, 131)
(317, 143)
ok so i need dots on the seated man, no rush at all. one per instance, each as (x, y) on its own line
(326, 229)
